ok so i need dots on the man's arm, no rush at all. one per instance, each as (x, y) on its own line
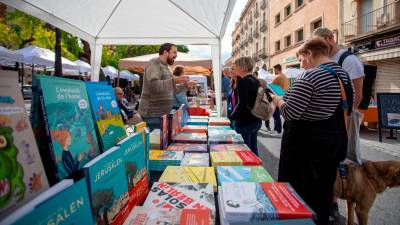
(353, 66)
(358, 95)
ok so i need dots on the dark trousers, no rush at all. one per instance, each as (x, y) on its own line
(310, 155)
(249, 134)
(277, 120)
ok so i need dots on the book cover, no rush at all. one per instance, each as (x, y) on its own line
(190, 138)
(226, 139)
(254, 174)
(107, 116)
(214, 133)
(191, 174)
(69, 205)
(164, 155)
(249, 158)
(229, 147)
(219, 128)
(174, 125)
(191, 121)
(243, 202)
(142, 215)
(155, 139)
(195, 159)
(134, 159)
(69, 124)
(199, 117)
(219, 121)
(187, 147)
(106, 178)
(276, 89)
(139, 127)
(164, 132)
(22, 175)
(287, 202)
(225, 159)
(194, 129)
(182, 196)
(278, 222)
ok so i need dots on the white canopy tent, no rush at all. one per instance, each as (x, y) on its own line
(292, 72)
(110, 71)
(44, 57)
(10, 55)
(135, 22)
(128, 75)
(84, 67)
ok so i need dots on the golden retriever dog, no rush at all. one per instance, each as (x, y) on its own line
(363, 184)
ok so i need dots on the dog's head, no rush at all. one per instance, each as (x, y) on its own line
(390, 172)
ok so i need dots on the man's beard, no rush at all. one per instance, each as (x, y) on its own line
(170, 61)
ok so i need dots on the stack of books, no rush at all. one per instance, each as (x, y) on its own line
(233, 158)
(255, 174)
(196, 138)
(142, 215)
(182, 196)
(160, 159)
(199, 117)
(196, 159)
(184, 174)
(219, 121)
(245, 202)
(155, 139)
(221, 133)
(191, 121)
(187, 147)
(194, 129)
(229, 147)
(219, 128)
(277, 222)
(226, 139)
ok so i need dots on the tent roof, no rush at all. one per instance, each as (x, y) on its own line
(134, 21)
(184, 59)
(10, 55)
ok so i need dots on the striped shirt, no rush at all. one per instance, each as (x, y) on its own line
(315, 95)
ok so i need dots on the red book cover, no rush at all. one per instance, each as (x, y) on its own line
(249, 158)
(164, 132)
(190, 138)
(229, 147)
(194, 129)
(195, 217)
(286, 201)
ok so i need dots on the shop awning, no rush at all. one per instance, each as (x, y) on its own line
(380, 54)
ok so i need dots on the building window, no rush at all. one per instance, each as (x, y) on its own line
(299, 35)
(288, 41)
(277, 46)
(299, 3)
(264, 42)
(316, 24)
(278, 18)
(288, 10)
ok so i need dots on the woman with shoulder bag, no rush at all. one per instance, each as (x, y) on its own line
(314, 140)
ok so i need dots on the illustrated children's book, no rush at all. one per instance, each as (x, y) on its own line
(229, 147)
(106, 178)
(69, 125)
(110, 126)
(187, 147)
(195, 159)
(22, 175)
(276, 89)
(64, 204)
(242, 174)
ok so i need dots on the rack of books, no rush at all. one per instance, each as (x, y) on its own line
(76, 162)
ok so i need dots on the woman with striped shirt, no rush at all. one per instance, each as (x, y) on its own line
(314, 140)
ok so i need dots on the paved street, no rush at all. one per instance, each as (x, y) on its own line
(386, 210)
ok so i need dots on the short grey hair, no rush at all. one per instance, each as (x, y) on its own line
(245, 64)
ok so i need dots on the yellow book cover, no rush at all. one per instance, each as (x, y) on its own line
(165, 155)
(182, 174)
(225, 159)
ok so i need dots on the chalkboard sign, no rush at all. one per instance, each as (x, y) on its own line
(388, 112)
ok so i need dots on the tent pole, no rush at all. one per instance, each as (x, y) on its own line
(95, 61)
(216, 65)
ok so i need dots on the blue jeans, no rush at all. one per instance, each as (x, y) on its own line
(277, 121)
(249, 134)
(152, 122)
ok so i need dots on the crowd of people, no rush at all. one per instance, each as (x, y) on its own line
(316, 110)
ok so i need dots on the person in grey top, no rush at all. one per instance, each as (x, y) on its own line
(159, 86)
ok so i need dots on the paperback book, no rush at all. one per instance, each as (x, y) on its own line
(229, 147)
(160, 159)
(142, 215)
(188, 147)
(22, 175)
(225, 159)
(248, 158)
(69, 125)
(199, 117)
(191, 174)
(196, 138)
(219, 121)
(203, 122)
(106, 178)
(195, 159)
(218, 133)
(226, 139)
(164, 132)
(155, 139)
(194, 129)
(219, 128)
(279, 222)
(254, 174)
(109, 123)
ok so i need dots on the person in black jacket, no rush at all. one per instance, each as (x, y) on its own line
(246, 123)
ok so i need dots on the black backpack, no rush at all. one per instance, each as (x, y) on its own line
(370, 76)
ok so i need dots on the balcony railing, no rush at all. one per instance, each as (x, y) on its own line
(262, 53)
(374, 21)
(256, 56)
(263, 4)
(263, 26)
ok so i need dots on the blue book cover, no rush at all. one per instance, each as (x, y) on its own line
(69, 124)
(254, 174)
(69, 204)
(133, 150)
(106, 178)
(276, 89)
(109, 123)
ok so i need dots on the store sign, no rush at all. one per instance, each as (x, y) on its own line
(290, 59)
(388, 42)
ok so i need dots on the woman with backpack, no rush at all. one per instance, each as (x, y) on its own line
(246, 123)
(314, 140)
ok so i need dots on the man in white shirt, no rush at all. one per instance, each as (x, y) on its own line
(354, 67)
